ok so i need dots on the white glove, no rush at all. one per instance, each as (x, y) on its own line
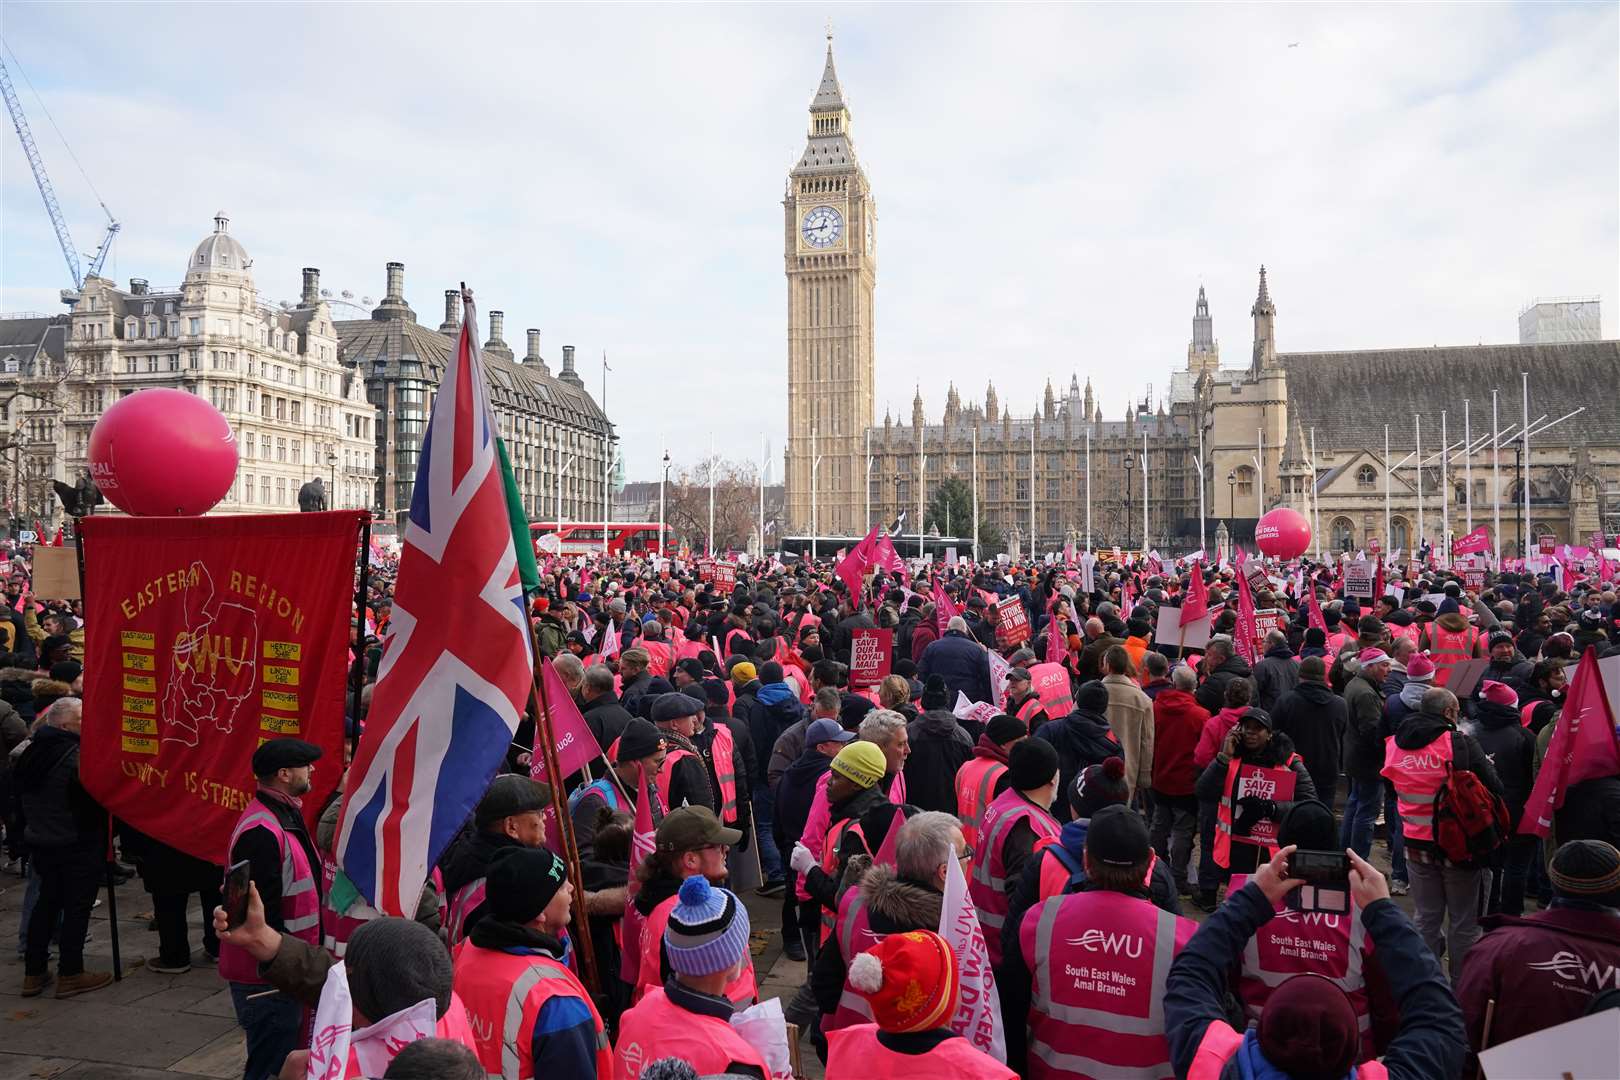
(801, 860)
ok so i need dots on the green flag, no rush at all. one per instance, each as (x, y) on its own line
(522, 542)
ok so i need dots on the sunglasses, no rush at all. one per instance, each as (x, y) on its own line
(967, 852)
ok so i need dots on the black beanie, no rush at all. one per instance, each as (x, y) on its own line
(1031, 764)
(1099, 786)
(520, 883)
(1003, 729)
(934, 695)
(1308, 825)
(394, 963)
(1092, 697)
(1587, 870)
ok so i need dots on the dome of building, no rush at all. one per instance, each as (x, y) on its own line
(219, 250)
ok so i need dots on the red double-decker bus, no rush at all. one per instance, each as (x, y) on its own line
(585, 537)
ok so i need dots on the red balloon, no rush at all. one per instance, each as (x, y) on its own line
(1283, 534)
(163, 452)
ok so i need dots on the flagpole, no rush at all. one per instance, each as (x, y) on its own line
(1496, 487)
(763, 461)
(1417, 464)
(545, 741)
(1144, 491)
(1200, 462)
(1445, 498)
(815, 467)
(711, 495)
(1034, 422)
(607, 463)
(1088, 490)
(922, 484)
(1316, 505)
(975, 492)
(1468, 467)
(1524, 481)
(1389, 535)
(868, 522)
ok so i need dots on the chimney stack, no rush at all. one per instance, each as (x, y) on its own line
(568, 374)
(396, 281)
(393, 305)
(138, 286)
(497, 327)
(452, 312)
(312, 287)
(533, 355)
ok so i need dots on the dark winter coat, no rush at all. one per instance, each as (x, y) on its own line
(606, 718)
(1082, 739)
(794, 794)
(1275, 675)
(1275, 755)
(961, 662)
(1363, 741)
(17, 690)
(939, 747)
(59, 813)
(1212, 693)
(1315, 719)
(742, 706)
(776, 709)
(1512, 750)
(894, 905)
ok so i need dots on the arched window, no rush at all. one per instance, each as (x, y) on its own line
(1245, 480)
(1343, 533)
(1366, 477)
(1400, 534)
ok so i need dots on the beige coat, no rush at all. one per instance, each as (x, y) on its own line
(1130, 715)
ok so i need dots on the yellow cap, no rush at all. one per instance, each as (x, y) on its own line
(861, 763)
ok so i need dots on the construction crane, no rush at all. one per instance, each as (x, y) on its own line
(48, 193)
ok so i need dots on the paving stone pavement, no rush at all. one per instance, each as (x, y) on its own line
(181, 1027)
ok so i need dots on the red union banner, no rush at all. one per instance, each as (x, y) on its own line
(870, 652)
(205, 636)
(1472, 543)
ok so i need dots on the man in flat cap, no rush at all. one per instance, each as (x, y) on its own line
(509, 815)
(272, 839)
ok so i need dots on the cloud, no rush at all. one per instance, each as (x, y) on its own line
(1053, 183)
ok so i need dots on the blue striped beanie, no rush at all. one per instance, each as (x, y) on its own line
(708, 929)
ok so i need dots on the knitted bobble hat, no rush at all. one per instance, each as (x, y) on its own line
(910, 980)
(708, 929)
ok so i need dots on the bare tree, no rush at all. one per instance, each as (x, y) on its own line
(736, 505)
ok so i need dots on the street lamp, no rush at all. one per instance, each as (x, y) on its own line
(331, 461)
(1231, 493)
(662, 546)
(1130, 463)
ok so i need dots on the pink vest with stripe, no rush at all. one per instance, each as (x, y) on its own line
(989, 886)
(1100, 960)
(504, 993)
(300, 906)
(1417, 776)
(1307, 942)
(468, 898)
(855, 936)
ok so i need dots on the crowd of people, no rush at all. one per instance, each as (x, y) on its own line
(1127, 816)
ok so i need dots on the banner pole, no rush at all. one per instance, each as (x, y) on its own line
(112, 894)
(545, 745)
(357, 679)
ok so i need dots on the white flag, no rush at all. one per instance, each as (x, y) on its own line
(375, 1046)
(329, 1041)
(610, 643)
(978, 1010)
(1088, 565)
(999, 667)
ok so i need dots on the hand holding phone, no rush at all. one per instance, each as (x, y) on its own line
(236, 894)
(1326, 881)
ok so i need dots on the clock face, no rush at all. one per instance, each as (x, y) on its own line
(822, 227)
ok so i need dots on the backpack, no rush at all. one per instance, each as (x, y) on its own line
(1470, 820)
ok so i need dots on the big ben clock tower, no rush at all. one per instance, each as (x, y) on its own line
(829, 247)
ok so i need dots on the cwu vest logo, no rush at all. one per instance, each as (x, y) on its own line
(1573, 967)
(1310, 918)
(1119, 944)
(1427, 762)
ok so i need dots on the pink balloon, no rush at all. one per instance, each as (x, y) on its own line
(1283, 533)
(163, 452)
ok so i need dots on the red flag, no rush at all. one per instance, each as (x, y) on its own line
(1244, 634)
(1313, 607)
(1472, 543)
(886, 558)
(1583, 746)
(1378, 579)
(886, 851)
(1196, 605)
(945, 609)
(642, 844)
(569, 733)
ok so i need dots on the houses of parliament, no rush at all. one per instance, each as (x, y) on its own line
(1306, 430)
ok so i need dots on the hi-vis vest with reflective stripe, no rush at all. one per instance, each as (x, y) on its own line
(300, 905)
(660, 658)
(1307, 942)
(989, 887)
(829, 861)
(658, 1028)
(503, 994)
(666, 774)
(468, 899)
(1100, 960)
(855, 936)
(855, 1051)
(724, 749)
(1059, 874)
(1447, 648)
(1417, 776)
(1220, 1043)
(975, 787)
(1224, 812)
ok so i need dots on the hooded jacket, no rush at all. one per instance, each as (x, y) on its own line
(1314, 718)
(59, 813)
(939, 747)
(1420, 729)
(894, 905)
(1275, 675)
(1512, 750)
(1082, 739)
(1178, 722)
(795, 791)
(1363, 740)
(776, 708)
(1214, 734)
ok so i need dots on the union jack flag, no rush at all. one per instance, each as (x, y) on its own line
(456, 665)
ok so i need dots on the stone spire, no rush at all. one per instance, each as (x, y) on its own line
(1049, 403)
(917, 408)
(990, 403)
(1202, 352)
(1265, 327)
(1295, 470)
(953, 406)
(829, 95)
(1091, 404)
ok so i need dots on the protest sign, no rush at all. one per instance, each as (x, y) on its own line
(978, 1007)
(725, 577)
(1259, 782)
(1582, 1049)
(56, 573)
(207, 636)
(1012, 621)
(1194, 634)
(1547, 543)
(1474, 580)
(977, 712)
(1358, 579)
(870, 653)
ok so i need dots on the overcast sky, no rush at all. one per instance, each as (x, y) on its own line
(1054, 183)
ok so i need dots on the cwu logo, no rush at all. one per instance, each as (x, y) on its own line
(1118, 944)
(1576, 968)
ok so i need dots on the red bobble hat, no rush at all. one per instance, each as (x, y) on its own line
(910, 980)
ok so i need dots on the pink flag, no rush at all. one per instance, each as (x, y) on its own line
(1196, 605)
(642, 845)
(944, 608)
(886, 851)
(1313, 607)
(1057, 644)
(1583, 747)
(978, 1008)
(853, 566)
(886, 558)
(1243, 634)
(569, 733)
